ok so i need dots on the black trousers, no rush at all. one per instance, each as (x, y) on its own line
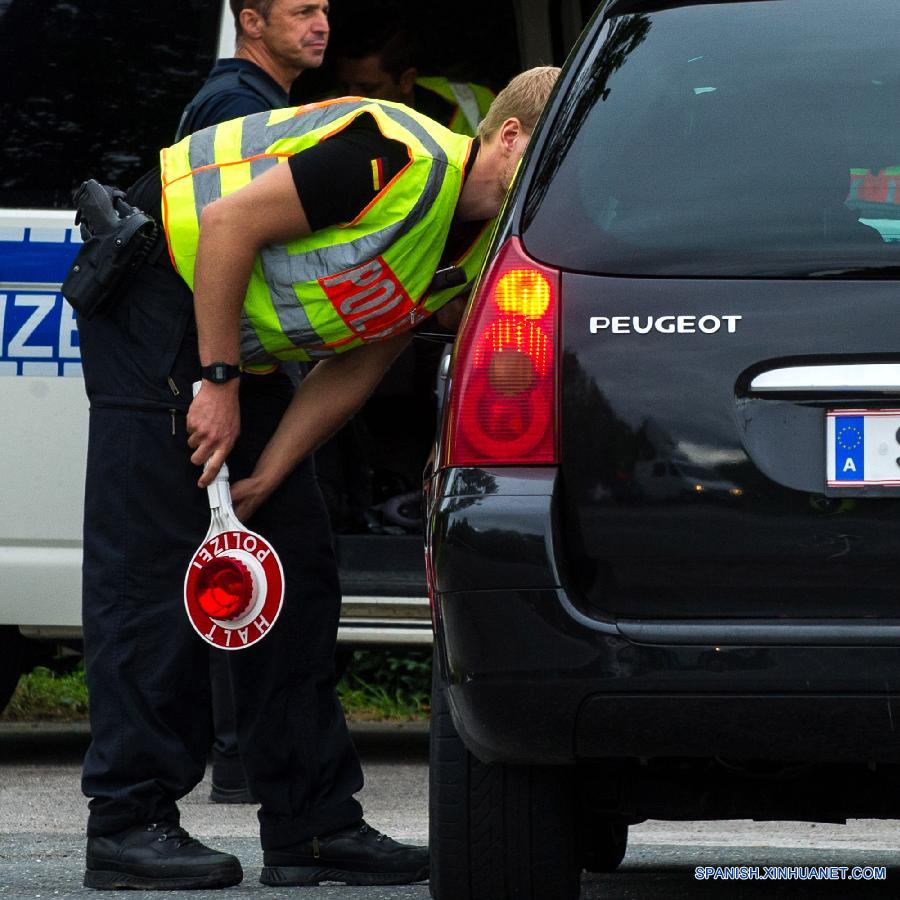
(227, 768)
(147, 670)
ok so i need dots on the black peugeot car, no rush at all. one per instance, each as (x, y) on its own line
(663, 530)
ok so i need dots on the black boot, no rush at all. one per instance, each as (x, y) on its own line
(355, 855)
(157, 857)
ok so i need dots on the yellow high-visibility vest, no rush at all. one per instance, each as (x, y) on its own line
(471, 101)
(345, 284)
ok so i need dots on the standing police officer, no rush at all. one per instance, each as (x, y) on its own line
(276, 40)
(277, 264)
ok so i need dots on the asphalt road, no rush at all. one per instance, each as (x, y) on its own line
(42, 817)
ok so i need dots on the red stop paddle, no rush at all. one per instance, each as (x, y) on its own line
(234, 585)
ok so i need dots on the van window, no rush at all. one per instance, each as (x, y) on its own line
(749, 140)
(93, 88)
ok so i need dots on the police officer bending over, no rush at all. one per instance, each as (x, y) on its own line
(331, 256)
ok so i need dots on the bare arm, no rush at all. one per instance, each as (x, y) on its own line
(326, 398)
(450, 314)
(233, 230)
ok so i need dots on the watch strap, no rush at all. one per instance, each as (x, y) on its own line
(220, 372)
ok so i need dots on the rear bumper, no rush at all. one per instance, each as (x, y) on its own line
(534, 678)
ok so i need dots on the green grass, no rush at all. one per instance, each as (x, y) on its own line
(387, 685)
(379, 685)
(43, 695)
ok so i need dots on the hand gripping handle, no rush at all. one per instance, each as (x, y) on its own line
(219, 492)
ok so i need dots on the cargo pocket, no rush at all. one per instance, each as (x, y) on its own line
(185, 367)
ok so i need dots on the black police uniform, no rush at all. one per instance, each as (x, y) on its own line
(235, 87)
(144, 518)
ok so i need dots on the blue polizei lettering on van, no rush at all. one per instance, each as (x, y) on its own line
(37, 327)
(849, 448)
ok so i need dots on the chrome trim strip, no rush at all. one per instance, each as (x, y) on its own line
(369, 607)
(849, 376)
(386, 637)
(31, 287)
(51, 632)
(764, 632)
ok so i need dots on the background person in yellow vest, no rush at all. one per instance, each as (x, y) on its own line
(313, 257)
(378, 54)
(382, 60)
(276, 40)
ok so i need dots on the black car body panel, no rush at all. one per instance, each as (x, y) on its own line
(684, 584)
(688, 496)
(536, 679)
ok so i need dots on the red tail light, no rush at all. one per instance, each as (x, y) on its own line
(502, 404)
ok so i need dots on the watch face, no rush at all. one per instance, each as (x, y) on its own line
(219, 373)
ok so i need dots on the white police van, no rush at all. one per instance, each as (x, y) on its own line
(94, 89)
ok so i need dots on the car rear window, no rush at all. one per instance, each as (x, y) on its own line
(732, 140)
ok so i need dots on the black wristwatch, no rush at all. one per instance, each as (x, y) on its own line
(220, 372)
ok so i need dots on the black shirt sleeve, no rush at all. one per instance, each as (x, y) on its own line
(340, 176)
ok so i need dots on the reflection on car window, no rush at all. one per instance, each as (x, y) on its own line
(731, 140)
(874, 197)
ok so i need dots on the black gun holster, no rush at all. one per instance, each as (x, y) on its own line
(118, 239)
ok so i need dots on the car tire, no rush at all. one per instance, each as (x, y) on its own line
(608, 843)
(496, 831)
(12, 655)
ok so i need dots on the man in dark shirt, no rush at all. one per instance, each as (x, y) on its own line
(276, 41)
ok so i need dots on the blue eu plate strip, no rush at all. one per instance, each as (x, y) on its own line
(849, 448)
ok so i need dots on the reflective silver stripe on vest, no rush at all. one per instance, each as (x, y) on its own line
(258, 134)
(291, 314)
(258, 166)
(208, 182)
(467, 101)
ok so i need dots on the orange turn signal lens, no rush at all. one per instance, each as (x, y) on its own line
(523, 292)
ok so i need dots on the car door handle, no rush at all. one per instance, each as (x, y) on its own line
(838, 377)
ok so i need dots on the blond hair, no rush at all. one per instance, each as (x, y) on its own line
(523, 99)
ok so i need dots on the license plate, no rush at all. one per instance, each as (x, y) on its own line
(862, 447)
